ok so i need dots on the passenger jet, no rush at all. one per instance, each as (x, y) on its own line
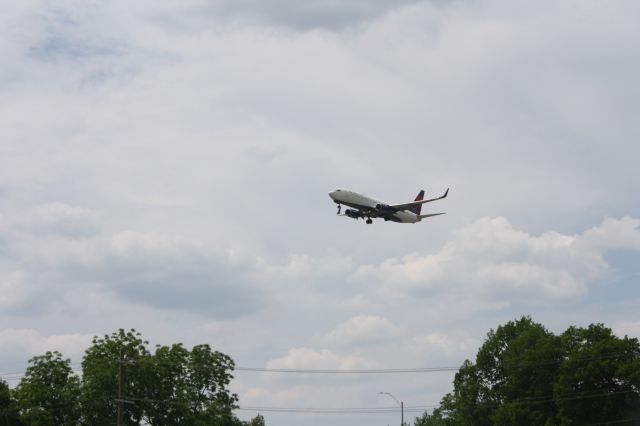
(365, 207)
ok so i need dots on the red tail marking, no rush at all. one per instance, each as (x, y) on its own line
(417, 209)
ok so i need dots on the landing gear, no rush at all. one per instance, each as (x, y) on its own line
(369, 221)
(339, 207)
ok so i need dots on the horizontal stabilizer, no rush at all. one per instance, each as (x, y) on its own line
(423, 216)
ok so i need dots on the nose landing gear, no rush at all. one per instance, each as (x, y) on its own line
(339, 207)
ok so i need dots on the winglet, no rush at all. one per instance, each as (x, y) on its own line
(445, 193)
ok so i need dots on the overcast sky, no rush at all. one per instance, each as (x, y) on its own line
(165, 166)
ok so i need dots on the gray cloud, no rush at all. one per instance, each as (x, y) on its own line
(58, 247)
(165, 166)
(328, 14)
(209, 288)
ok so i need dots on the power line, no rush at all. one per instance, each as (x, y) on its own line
(572, 396)
(597, 393)
(422, 408)
(368, 371)
(419, 408)
(611, 422)
(317, 410)
(372, 410)
(19, 374)
(344, 371)
(613, 355)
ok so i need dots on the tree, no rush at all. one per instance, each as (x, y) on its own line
(163, 381)
(517, 365)
(256, 421)
(434, 419)
(210, 374)
(49, 392)
(100, 370)
(194, 381)
(600, 379)
(173, 386)
(9, 414)
(526, 375)
(468, 403)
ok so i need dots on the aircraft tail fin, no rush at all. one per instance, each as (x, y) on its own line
(418, 208)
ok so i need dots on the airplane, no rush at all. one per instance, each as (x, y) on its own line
(366, 207)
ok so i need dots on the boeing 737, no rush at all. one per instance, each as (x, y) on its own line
(365, 207)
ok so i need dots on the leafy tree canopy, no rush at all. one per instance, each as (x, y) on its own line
(194, 381)
(49, 392)
(8, 408)
(525, 375)
(100, 370)
(256, 421)
(172, 386)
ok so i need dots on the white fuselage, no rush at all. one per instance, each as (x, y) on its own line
(360, 201)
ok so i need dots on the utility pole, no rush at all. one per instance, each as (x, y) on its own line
(121, 390)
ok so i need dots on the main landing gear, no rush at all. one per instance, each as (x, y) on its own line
(369, 221)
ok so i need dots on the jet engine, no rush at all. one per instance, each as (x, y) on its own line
(354, 214)
(385, 209)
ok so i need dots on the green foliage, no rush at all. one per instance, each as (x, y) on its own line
(194, 381)
(173, 386)
(525, 375)
(470, 401)
(9, 414)
(49, 393)
(100, 377)
(600, 380)
(517, 364)
(256, 421)
(434, 419)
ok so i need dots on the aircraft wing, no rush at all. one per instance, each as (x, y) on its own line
(407, 206)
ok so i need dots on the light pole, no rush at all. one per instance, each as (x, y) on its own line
(400, 403)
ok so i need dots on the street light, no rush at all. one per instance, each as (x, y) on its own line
(400, 403)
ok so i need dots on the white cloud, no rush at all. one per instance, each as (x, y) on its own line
(303, 268)
(64, 219)
(627, 328)
(612, 234)
(359, 302)
(323, 359)
(13, 288)
(447, 344)
(491, 260)
(361, 329)
(19, 344)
